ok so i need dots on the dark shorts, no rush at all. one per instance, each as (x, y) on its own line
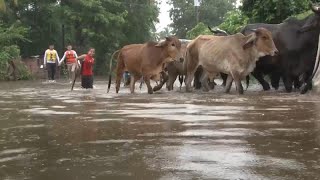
(87, 82)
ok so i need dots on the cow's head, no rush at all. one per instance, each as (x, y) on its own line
(172, 47)
(313, 22)
(262, 40)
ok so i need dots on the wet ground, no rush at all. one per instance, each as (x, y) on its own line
(48, 132)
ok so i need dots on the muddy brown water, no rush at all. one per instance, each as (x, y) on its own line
(50, 133)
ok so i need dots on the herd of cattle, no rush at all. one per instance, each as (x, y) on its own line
(284, 51)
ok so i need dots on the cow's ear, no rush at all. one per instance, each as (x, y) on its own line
(250, 42)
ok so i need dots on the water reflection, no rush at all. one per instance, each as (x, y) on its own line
(48, 132)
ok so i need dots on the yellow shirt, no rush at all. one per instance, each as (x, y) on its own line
(51, 56)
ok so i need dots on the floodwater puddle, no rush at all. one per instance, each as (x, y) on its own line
(49, 132)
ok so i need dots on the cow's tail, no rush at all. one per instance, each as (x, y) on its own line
(116, 53)
(308, 84)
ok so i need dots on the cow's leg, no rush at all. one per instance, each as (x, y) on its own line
(287, 80)
(172, 79)
(237, 80)
(211, 82)
(197, 78)
(204, 81)
(228, 83)
(148, 83)
(297, 83)
(224, 78)
(275, 79)
(189, 78)
(163, 80)
(133, 80)
(118, 79)
(259, 77)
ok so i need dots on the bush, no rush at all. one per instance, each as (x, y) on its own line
(7, 54)
(9, 37)
(234, 21)
(199, 29)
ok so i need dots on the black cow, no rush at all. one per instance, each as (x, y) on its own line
(297, 42)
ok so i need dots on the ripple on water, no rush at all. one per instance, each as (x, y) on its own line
(184, 118)
(113, 141)
(26, 126)
(58, 107)
(74, 101)
(13, 151)
(6, 159)
(42, 111)
(195, 133)
(104, 120)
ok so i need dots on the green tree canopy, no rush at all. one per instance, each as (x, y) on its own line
(103, 24)
(234, 21)
(273, 11)
(211, 12)
(199, 29)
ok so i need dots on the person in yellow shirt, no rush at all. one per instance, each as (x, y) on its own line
(50, 60)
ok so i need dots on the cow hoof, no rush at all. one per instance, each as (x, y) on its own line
(305, 88)
(288, 89)
(189, 90)
(266, 87)
(156, 88)
(205, 90)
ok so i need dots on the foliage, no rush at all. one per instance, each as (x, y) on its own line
(234, 21)
(302, 15)
(105, 25)
(164, 33)
(9, 37)
(183, 14)
(199, 29)
(273, 11)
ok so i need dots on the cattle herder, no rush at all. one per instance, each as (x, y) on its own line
(87, 69)
(50, 60)
(72, 63)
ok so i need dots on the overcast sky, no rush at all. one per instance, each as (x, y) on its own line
(164, 16)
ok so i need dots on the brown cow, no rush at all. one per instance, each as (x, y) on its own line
(235, 55)
(145, 60)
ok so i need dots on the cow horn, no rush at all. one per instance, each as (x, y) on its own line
(253, 30)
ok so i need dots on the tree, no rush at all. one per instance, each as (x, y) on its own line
(164, 33)
(9, 37)
(273, 11)
(199, 29)
(103, 24)
(3, 5)
(211, 12)
(234, 21)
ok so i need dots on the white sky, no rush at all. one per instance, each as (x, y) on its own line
(164, 17)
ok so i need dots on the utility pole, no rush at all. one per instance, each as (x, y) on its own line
(197, 5)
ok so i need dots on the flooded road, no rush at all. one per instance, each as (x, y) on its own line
(48, 132)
